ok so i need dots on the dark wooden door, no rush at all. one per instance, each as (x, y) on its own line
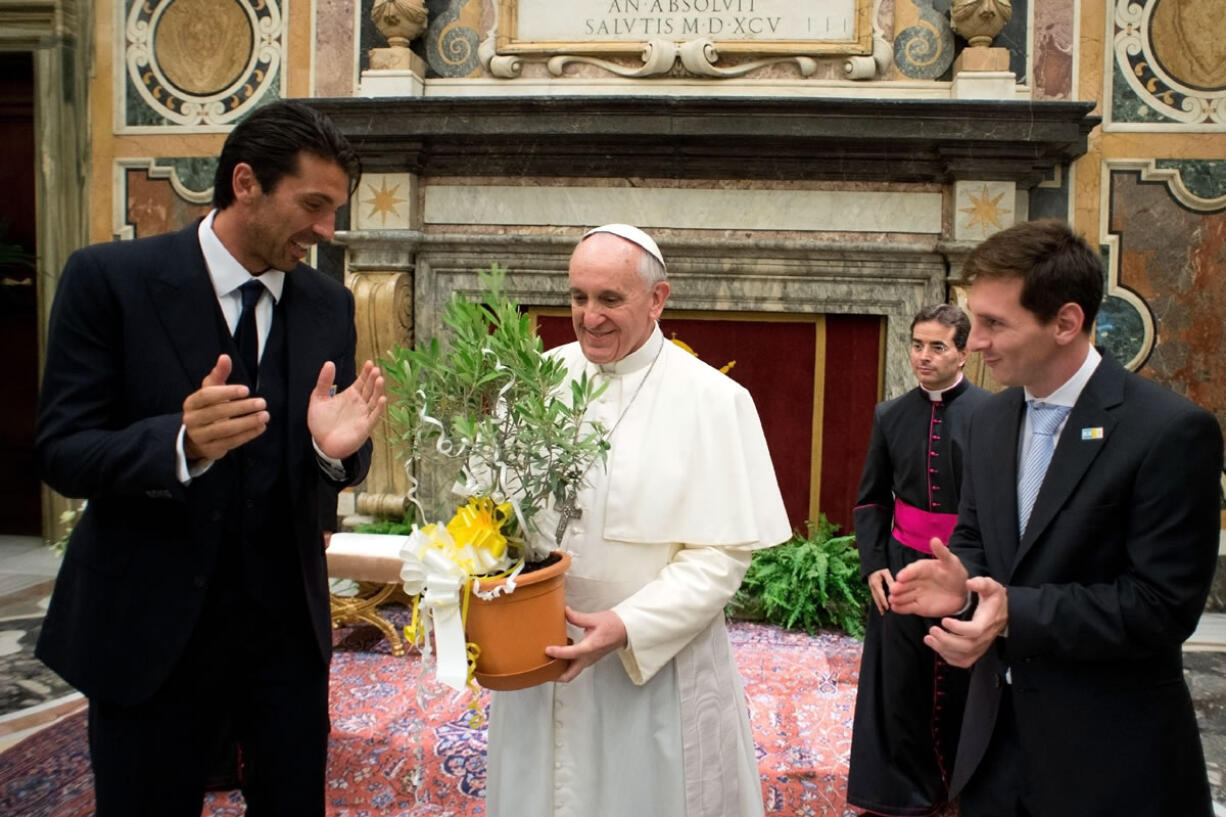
(20, 505)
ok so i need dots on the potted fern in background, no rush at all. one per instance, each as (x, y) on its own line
(489, 412)
(807, 583)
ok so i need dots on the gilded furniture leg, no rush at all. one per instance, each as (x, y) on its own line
(363, 608)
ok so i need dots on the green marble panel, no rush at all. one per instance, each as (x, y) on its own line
(1126, 106)
(194, 173)
(1119, 327)
(1205, 178)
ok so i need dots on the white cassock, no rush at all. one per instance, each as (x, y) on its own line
(660, 727)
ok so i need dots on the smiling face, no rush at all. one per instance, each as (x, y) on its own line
(1018, 349)
(275, 229)
(612, 308)
(934, 358)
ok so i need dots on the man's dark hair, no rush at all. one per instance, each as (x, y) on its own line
(1056, 266)
(946, 315)
(271, 138)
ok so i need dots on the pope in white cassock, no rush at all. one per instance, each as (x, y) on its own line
(650, 717)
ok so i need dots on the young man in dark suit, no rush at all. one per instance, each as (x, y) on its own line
(197, 385)
(1087, 538)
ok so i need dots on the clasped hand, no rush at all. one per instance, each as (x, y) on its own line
(219, 417)
(939, 587)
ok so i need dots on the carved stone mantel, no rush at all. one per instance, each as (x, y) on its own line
(765, 143)
(768, 276)
(902, 140)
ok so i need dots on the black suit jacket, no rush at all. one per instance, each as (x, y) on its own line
(133, 331)
(1108, 581)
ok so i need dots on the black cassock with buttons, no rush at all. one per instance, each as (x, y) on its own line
(909, 704)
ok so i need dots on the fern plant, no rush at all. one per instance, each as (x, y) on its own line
(809, 582)
(396, 527)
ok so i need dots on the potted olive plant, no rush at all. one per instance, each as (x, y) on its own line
(489, 408)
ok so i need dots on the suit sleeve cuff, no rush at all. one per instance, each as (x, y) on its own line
(333, 468)
(185, 472)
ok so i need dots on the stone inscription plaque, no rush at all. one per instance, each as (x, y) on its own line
(760, 26)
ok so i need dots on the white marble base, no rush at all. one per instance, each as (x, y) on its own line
(984, 85)
(391, 83)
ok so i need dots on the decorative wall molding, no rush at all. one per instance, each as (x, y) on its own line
(1118, 299)
(844, 140)
(1207, 176)
(1166, 70)
(27, 25)
(196, 64)
(154, 210)
(683, 37)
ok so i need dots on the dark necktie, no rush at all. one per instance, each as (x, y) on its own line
(246, 337)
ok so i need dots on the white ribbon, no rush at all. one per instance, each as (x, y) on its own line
(438, 574)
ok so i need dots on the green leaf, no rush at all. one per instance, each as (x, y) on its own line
(810, 582)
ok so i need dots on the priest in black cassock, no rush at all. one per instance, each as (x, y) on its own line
(909, 704)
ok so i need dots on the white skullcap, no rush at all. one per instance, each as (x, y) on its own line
(632, 234)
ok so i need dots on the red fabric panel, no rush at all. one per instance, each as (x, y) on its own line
(853, 352)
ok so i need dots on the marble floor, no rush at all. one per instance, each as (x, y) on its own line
(31, 696)
(27, 570)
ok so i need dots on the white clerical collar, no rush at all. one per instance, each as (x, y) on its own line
(225, 271)
(939, 396)
(1068, 393)
(639, 358)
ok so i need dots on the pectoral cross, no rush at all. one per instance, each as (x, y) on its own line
(566, 512)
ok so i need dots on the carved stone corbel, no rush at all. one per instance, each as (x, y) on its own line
(383, 317)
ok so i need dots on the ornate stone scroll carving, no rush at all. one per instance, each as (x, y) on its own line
(872, 66)
(383, 315)
(679, 36)
(1169, 67)
(199, 63)
(698, 57)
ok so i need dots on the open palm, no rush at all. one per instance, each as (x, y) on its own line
(340, 423)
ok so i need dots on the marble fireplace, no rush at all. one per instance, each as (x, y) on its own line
(826, 210)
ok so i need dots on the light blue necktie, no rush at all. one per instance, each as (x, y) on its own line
(1044, 421)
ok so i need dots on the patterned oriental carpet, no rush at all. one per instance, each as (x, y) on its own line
(388, 759)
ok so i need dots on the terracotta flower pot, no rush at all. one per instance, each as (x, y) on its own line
(513, 629)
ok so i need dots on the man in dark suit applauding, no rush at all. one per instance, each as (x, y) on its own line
(1086, 541)
(197, 386)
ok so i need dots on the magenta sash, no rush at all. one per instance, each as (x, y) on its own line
(914, 528)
